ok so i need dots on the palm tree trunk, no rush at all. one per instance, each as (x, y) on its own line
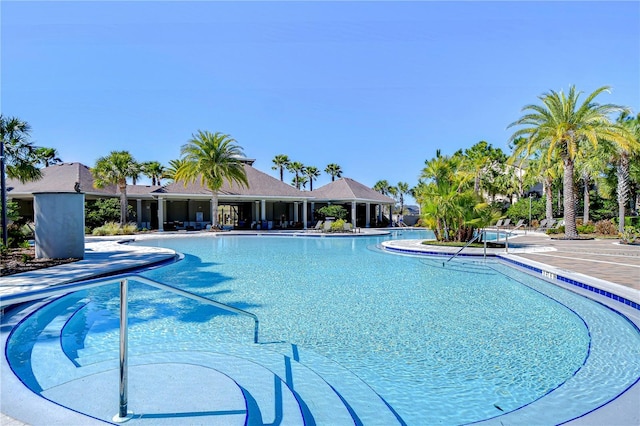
(570, 230)
(548, 192)
(123, 205)
(214, 209)
(622, 172)
(585, 215)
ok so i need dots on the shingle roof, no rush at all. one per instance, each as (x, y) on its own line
(60, 178)
(260, 184)
(346, 189)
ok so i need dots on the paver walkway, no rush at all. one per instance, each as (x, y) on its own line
(604, 259)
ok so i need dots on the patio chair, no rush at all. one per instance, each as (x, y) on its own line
(520, 224)
(326, 227)
(546, 224)
(347, 227)
(498, 223)
(318, 227)
(506, 222)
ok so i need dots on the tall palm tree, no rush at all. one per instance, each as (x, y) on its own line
(334, 170)
(402, 189)
(16, 160)
(621, 158)
(47, 156)
(154, 171)
(171, 170)
(297, 168)
(300, 182)
(312, 173)
(561, 127)
(212, 158)
(280, 162)
(382, 186)
(115, 169)
(17, 152)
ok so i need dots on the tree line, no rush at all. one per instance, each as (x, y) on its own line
(567, 145)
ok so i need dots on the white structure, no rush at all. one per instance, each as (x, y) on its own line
(59, 220)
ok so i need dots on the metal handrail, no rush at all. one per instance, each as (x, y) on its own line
(465, 246)
(28, 296)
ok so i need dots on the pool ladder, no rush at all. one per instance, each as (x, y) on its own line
(484, 239)
(29, 296)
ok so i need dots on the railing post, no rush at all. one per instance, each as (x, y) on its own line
(506, 244)
(484, 239)
(123, 415)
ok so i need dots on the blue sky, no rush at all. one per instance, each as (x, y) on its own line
(375, 87)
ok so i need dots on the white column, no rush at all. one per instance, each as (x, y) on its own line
(263, 209)
(368, 216)
(304, 214)
(353, 213)
(379, 213)
(139, 211)
(160, 214)
(313, 209)
(295, 211)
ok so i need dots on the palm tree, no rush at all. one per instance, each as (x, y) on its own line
(280, 162)
(382, 186)
(334, 170)
(300, 182)
(47, 156)
(297, 168)
(170, 172)
(114, 169)
(212, 158)
(18, 154)
(560, 128)
(402, 189)
(621, 156)
(16, 160)
(312, 173)
(154, 171)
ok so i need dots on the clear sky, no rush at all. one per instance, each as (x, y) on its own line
(375, 87)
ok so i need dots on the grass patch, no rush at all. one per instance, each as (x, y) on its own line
(458, 244)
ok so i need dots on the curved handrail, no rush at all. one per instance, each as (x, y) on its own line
(465, 246)
(123, 414)
(28, 296)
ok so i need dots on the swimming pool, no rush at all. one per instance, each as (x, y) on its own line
(448, 345)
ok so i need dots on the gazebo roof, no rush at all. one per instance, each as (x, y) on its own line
(61, 178)
(260, 185)
(346, 189)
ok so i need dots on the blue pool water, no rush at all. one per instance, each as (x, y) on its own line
(441, 345)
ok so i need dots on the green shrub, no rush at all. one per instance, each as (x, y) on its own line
(338, 225)
(606, 227)
(589, 228)
(336, 211)
(559, 230)
(113, 228)
(630, 235)
(633, 221)
(520, 209)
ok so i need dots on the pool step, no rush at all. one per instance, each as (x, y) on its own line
(279, 383)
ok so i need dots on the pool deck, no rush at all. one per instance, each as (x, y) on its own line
(604, 263)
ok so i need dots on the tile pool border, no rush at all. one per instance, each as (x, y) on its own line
(549, 275)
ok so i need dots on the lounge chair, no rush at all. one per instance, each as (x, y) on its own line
(520, 224)
(546, 224)
(326, 227)
(318, 227)
(506, 222)
(498, 224)
(347, 227)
